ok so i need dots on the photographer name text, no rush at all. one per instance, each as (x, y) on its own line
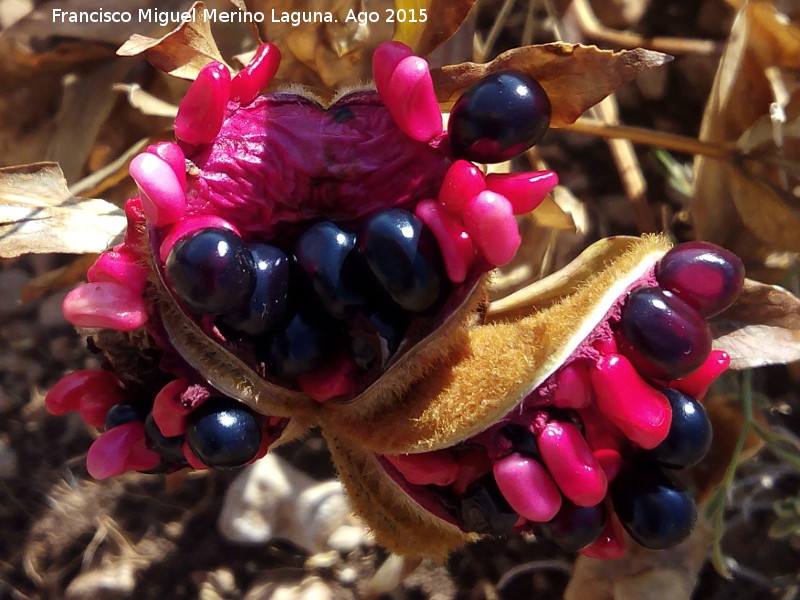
(293, 18)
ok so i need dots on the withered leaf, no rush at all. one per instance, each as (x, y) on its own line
(41, 42)
(39, 215)
(574, 76)
(318, 54)
(743, 206)
(761, 328)
(183, 51)
(443, 18)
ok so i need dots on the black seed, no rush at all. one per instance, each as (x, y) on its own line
(300, 347)
(498, 118)
(689, 437)
(268, 302)
(405, 259)
(329, 257)
(223, 433)
(655, 511)
(124, 412)
(522, 439)
(666, 331)
(211, 271)
(171, 448)
(485, 510)
(575, 527)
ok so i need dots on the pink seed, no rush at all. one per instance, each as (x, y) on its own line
(572, 464)
(412, 100)
(202, 109)
(456, 245)
(330, 381)
(142, 458)
(171, 154)
(462, 181)
(256, 75)
(384, 63)
(611, 543)
(696, 383)
(642, 413)
(528, 487)
(610, 461)
(110, 454)
(489, 219)
(65, 396)
(573, 388)
(429, 468)
(187, 226)
(606, 345)
(121, 267)
(599, 432)
(105, 305)
(163, 200)
(135, 233)
(94, 407)
(168, 412)
(472, 465)
(525, 191)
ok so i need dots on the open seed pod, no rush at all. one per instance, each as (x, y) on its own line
(282, 254)
(568, 418)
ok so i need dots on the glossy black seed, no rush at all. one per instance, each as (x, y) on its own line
(485, 510)
(655, 511)
(404, 257)
(223, 433)
(666, 331)
(122, 413)
(689, 436)
(211, 271)
(499, 117)
(705, 275)
(301, 346)
(575, 527)
(523, 440)
(329, 257)
(171, 448)
(378, 337)
(268, 302)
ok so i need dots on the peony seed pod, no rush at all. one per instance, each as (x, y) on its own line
(282, 255)
(542, 390)
(289, 264)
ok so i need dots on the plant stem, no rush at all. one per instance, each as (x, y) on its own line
(649, 137)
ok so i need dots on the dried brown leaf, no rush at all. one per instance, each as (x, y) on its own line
(327, 56)
(574, 76)
(747, 206)
(183, 51)
(40, 43)
(39, 215)
(444, 17)
(324, 55)
(761, 328)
